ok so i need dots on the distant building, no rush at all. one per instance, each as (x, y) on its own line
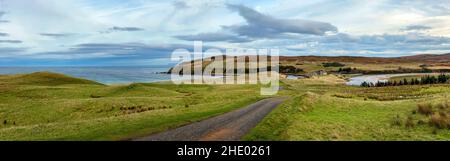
(318, 73)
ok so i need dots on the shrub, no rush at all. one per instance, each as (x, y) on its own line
(442, 106)
(290, 69)
(440, 121)
(409, 122)
(397, 121)
(421, 122)
(425, 109)
(95, 96)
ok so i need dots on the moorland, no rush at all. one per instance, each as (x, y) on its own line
(51, 106)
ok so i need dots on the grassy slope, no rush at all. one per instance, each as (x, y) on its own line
(43, 78)
(320, 111)
(47, 106)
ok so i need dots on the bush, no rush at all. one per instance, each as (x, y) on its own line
(410, 122)
(397, 121)
(440, 121)
(290, 69)
(425, 109)
(442, 106)
(438, 116)
(95, 96)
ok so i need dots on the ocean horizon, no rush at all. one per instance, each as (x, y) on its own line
(101, 74)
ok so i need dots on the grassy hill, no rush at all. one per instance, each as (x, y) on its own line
(50, 106)
(44, 78)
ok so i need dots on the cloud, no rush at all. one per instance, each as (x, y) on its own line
(438, 7)
(116, 50)
(55, 35)
(4, 34)
(9, 51)
(416, 28)
(260, 25)
(370, 45)
(214, 37)
(180, 5)
(2, 13)
(124, 29)
(11, 41)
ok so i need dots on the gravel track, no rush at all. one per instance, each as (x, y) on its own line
(231, 126)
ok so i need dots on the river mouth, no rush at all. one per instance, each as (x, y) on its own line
(358, 80)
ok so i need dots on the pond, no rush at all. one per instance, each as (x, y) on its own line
(356, 81)
(294, 77)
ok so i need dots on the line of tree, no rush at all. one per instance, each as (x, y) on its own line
(348, 70)
(333, 64)
(428, 79)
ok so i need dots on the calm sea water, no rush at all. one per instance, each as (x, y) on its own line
(106, 75)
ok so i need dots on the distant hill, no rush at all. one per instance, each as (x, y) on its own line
(438, 58)
(358, 64)
(423, 58)
(43, 78)
(359, 59)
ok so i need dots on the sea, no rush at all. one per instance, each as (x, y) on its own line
(105, 74)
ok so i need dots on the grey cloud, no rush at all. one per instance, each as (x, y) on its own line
(180, 5)
(115, 28)
(4, 34)
(1, 15)
(416, 28)
(214, 37)
(121, 29)
(55, 35)
(12, 50)
(121, 50)
(116, 51)
(260, 25)
(403, 44)
(11, 41)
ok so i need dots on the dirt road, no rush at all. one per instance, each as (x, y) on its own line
(230, 126)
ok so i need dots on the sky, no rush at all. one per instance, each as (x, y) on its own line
(145, 32)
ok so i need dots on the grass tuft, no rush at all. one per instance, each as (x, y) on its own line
(425, 109)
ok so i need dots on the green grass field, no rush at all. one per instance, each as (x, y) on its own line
(48, 106)
(324, 111)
